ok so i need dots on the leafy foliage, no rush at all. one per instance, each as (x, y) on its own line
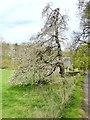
(80, 57)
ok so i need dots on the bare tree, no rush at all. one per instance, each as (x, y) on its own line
(51, 35)
(44, 54)
(83, 35)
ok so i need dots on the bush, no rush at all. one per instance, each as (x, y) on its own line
(4, 67)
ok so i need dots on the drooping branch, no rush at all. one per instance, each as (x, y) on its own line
(52, 43)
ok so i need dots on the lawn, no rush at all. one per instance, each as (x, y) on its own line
(32, 101)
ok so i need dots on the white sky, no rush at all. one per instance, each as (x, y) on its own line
(19, 19)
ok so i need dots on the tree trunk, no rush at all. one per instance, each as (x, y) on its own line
(59, 54)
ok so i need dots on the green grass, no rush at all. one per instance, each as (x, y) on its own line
(73, 106)
(0, 94)
(31, 101)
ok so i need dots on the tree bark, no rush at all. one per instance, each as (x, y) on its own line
(59, 54)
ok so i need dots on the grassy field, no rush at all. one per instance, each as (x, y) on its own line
(32, 101)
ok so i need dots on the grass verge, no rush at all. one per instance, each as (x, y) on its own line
(73, 106)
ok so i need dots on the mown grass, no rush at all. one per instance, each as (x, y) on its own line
(31, 101)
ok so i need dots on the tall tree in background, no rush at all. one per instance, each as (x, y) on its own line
(83, 36)
(81, 43)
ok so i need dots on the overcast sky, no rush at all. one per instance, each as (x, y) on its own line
(19, 19)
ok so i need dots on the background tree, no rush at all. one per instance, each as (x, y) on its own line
(81, 39)
(6, 58)
(80, 57)
(17, 55)
(83, 35)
